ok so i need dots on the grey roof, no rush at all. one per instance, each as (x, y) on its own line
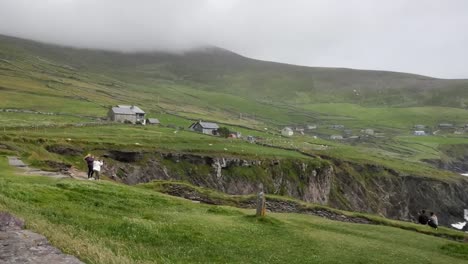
(122, 111)
(153, 121)
(208, 125)
(134, 108)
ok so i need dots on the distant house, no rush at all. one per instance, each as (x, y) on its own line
(337, 126)
(251, 139)
(446, 126)
(127, 113)
(419, 133)
(287, 132)
(152, 121)
(205, 127)
(336, 137)
(300, 130)
(369, 131)
(419, 127)
(347, 133)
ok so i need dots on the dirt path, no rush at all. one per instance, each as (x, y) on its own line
(23, 246)
(26, 169)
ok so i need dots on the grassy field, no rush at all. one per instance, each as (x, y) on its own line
(402, 153)
(104, 222)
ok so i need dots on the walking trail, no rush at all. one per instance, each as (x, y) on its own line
(18, 245)
(27, 170)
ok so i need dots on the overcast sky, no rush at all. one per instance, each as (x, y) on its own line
(428, 37)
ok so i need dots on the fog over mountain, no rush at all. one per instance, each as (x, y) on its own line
(427, 37)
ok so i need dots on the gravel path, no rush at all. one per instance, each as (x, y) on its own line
(23, 246)
(70, 173)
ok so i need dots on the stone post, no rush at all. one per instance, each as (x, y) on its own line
(261, 204)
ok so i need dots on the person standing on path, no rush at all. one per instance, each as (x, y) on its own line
(89, 161)
(97, 168)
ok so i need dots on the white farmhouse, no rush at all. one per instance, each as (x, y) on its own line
(287, 132)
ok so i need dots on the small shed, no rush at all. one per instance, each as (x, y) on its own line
(287, 132)
(152, 121)
(205, 127)
(235, 135)
(251, 139)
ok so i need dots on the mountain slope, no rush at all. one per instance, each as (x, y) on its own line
(218, 70)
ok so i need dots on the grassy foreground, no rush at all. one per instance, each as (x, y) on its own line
(104, 222)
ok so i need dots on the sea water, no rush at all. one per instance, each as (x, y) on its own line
(460, 225)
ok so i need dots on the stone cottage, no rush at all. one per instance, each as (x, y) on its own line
(127, 114)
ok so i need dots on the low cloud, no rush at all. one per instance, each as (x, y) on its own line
(427, 37)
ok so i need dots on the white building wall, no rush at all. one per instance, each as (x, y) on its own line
(123, 118)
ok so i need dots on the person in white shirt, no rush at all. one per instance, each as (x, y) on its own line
(97, 168)
(433, 221)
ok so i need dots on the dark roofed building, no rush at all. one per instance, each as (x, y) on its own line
(152, 121)
(205, 127)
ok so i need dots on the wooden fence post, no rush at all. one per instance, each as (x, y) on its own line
(261, 203)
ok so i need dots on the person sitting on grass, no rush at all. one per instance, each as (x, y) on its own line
(433, 222)
(89, 161)
(97, 168)
(422, 219)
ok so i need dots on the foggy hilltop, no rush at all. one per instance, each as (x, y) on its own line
(424, 37)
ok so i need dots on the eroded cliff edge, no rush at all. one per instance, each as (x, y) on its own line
(344, 185)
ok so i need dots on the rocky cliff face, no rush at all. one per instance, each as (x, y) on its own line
(344, 185)
(376, 189)
(306, 180)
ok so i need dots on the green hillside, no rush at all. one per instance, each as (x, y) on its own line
(50, 85)
(207, 81)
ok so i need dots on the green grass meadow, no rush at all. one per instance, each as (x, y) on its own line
(105, 222)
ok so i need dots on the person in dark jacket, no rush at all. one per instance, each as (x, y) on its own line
(89, 161)
(422, 219)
